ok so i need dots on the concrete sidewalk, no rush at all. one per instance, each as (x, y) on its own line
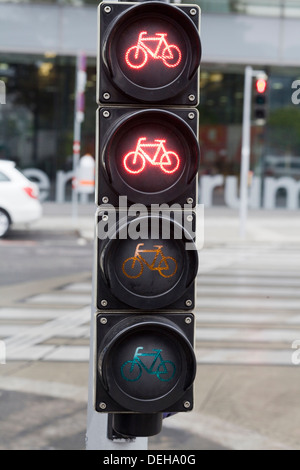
(221, 224)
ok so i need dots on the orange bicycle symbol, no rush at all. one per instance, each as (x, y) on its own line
(135, 161)
(134, 267)
(137, 56)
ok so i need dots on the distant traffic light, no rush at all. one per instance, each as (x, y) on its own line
(260, 101)
(261, 85)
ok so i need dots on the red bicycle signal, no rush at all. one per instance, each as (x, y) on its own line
(261, 85)
(137, 56)
(135, 161)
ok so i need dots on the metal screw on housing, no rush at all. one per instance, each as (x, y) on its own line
(103, 320)
(188, 303)
(186, 404)
(192, 97)
(106, 96)
(102, 405)
(107, 9)
(188, 320)
(190, 200)
(105, 199)
(104, 303)
(193, 11)
(191, 115)
(106, 114)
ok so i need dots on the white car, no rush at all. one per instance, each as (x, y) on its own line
(19, 203)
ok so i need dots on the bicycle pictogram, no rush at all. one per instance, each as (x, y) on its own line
(137, 56)
(135, 161)
(132, 370)
(134, 267)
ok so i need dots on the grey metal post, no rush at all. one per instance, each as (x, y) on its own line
(246, 146)
(96, 434)
(245, 160)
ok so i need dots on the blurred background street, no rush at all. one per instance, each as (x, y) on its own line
(247, 386)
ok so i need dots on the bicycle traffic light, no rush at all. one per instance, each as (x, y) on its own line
(147, 261)
(148, 53)
(149, 155)
(146, 364)
(146, 189)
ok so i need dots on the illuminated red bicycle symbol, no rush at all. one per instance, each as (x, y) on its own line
(135, 161)
(137, 56)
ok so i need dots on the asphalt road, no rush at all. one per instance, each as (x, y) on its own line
(35, 255)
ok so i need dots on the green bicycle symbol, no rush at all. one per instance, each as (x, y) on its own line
(132, 370)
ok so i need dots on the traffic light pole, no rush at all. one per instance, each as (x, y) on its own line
(99, 431)
(245, 160)
(99, 434)
(246, 146)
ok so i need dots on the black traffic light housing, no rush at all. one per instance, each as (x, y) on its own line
(155, 271)
(142, 365)
(260, 101)
(143, 65)
(148, 155)
(148, 170)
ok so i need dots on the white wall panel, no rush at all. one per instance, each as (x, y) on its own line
(226, 38)
(40, 28)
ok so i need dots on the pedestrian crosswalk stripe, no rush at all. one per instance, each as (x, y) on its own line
(78, 287)
(249, 280)
(244, 356)
(249, 303)
(26, 343)
(247, 335)
(43, 387)
(254, 318)
(60, 298)
(245, 290)
(22, 313)
(69, 353)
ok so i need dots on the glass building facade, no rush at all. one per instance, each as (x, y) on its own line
(37, 119)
